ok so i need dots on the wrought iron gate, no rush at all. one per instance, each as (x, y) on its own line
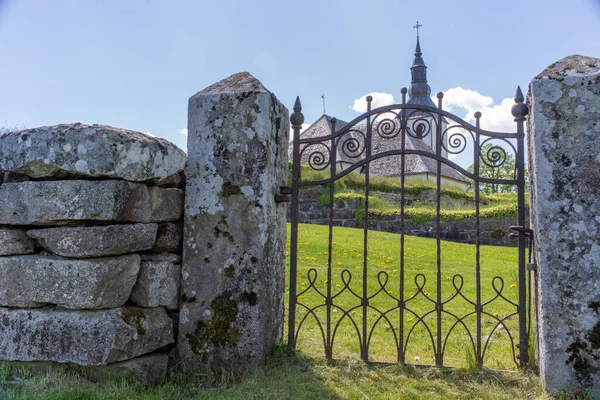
(402, 308)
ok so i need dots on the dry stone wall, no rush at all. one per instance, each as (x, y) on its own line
(90, 249)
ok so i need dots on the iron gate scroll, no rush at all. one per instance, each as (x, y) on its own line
(405, 309)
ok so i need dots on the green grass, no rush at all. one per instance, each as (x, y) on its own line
(288, 375)
(383, 277)
(305, 374)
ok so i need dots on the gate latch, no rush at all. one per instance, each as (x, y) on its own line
(532, 267)
(284, 195)
(517, 228)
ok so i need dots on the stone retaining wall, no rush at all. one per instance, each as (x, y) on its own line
(90, 243)
(492, 231)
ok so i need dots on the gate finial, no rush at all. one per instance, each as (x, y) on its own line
(297, 118)
(519, 110)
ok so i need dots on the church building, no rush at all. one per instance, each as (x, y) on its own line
(419, 169)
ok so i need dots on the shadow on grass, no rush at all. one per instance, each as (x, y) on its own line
(289, 374)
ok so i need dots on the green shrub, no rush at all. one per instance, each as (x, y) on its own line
(420, 215)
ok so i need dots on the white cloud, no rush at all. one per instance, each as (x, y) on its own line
(149, 134)
(379, 100)
(183, 131)
(494, 117)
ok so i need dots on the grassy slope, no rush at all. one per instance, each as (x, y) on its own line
(295, 375)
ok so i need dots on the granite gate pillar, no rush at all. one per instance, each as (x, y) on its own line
(231, 309)
(564, 163)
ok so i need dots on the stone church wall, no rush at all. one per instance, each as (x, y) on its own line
(90, 249)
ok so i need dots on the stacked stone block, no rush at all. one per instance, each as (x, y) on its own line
(90, 244)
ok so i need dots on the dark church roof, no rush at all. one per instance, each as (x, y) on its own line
(387, 166)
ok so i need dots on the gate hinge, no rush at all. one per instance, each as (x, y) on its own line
(518, 228)
(284, 195)
(532, 267)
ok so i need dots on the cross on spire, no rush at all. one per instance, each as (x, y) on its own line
(417, 26)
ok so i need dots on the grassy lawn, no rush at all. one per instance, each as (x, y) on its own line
(498, 276)
(305, 374)
(288, 375)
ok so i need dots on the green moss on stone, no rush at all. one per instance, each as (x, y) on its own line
(218, 330)
(229, 271)
(134, 316)
(229, 189)
(218, 232)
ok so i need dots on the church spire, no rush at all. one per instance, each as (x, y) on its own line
(418, 84)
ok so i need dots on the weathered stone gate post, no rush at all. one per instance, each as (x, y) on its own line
(564, 162)
(231, 309)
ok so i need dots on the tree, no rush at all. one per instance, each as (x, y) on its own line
(496, 163)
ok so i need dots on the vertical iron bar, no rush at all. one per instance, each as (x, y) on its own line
(519, 111)
(364, 354)
(478, 307)
(401, 305)
(439, 357)
(328, 301)
(297, 119)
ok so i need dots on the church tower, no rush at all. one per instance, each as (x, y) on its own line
(419, 92)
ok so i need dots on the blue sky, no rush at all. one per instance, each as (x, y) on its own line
(134, 64)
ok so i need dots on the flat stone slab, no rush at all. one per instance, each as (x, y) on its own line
(74, 284)
(63, 202)
(82, 337)
(43, 203)
(96, 241)
(15, 241)
(79, 150)
(157, 285)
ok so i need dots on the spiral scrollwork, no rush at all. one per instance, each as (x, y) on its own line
(353, 144)
(493, 157)
(388, 127)
(454, 139)
(317, 155)
(419, 128)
